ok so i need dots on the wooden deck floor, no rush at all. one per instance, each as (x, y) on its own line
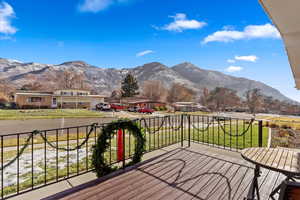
(181, 174)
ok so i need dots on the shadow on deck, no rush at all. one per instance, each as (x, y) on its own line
(180, 173)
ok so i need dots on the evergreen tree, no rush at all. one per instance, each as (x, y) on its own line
(129, 86)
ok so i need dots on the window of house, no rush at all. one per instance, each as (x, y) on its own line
(35, 99)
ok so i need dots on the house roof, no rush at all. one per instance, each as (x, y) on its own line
(33, 94)
(286, 17)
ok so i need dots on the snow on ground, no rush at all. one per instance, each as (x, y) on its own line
(25, 164)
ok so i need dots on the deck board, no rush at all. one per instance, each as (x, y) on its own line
(182, 174)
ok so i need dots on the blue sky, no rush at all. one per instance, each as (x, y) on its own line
(233, 36)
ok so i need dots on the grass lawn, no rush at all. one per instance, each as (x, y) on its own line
(216, 136)
(47, 114)
(292, 122)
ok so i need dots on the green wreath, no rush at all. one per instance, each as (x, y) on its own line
(98, 160)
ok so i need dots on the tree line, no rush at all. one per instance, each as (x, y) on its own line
(218, 99)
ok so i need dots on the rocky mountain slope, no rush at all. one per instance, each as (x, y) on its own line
(105, 80)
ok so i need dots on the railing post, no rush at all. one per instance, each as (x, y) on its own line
(182, 130)
(189, 130)
(260, 133)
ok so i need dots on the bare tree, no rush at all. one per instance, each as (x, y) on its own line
(254, 100)
(3, 98)
(5, 87)
(179, 93)
(71, 80)
(154, 90)
(220, 98)
(33, 86)
(116, 94)
(204, 98)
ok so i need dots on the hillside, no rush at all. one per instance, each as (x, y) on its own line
(105, 80)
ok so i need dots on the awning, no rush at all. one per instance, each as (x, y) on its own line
(285, 15)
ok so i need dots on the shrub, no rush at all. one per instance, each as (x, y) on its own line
(274, 125)
(266, 124)
(163, 108)
(157, 108)
(285, 126)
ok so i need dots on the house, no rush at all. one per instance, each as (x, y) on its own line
(285, 16)
(189, 107)
(147, 104)
(68, 98)
(137, 102)
(33, 99)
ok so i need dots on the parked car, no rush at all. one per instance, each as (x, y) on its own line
(146, 110)
(103, 107)
(133, 109)
(117, 107)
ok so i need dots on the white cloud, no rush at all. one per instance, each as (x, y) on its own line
(181, 23)
(251, 58)
(249, 32)
(6, 14)
(231, 61)
(143, 53)
(97, 5)
(232, 69)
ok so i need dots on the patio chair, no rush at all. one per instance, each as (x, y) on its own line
(289, 191)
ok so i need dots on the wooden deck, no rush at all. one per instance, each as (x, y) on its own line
(182, 173)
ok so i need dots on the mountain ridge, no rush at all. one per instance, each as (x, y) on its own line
(105, 80)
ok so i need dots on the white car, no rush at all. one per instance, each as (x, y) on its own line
(103, 107)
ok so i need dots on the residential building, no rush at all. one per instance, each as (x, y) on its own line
(68, 98)
(189, 107)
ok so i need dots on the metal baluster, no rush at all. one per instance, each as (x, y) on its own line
(207, 131)
(77, 142)
(68, 155)
(129, 143)
(109, 146)
(198, 125)
(56, 154)
(230, 131)
(153, 122)
(213, 129)
(237, 132)
(218, 124)
(224, 132)
(251, 135)
(244, 134)
(124, 152)
(45, 157)
(170, 128)
(18, 164)
(2, 171)
(145, 122)
(202, 119)
(32, 161)
(87, 149)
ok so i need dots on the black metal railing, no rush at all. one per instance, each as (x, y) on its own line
(42, 157)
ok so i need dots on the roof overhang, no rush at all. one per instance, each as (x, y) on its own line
(285, 14)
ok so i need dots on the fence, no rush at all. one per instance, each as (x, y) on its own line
(35, 159)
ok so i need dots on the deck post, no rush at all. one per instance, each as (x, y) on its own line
(260, 133)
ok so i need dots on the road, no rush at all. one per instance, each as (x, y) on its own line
(18, 126)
